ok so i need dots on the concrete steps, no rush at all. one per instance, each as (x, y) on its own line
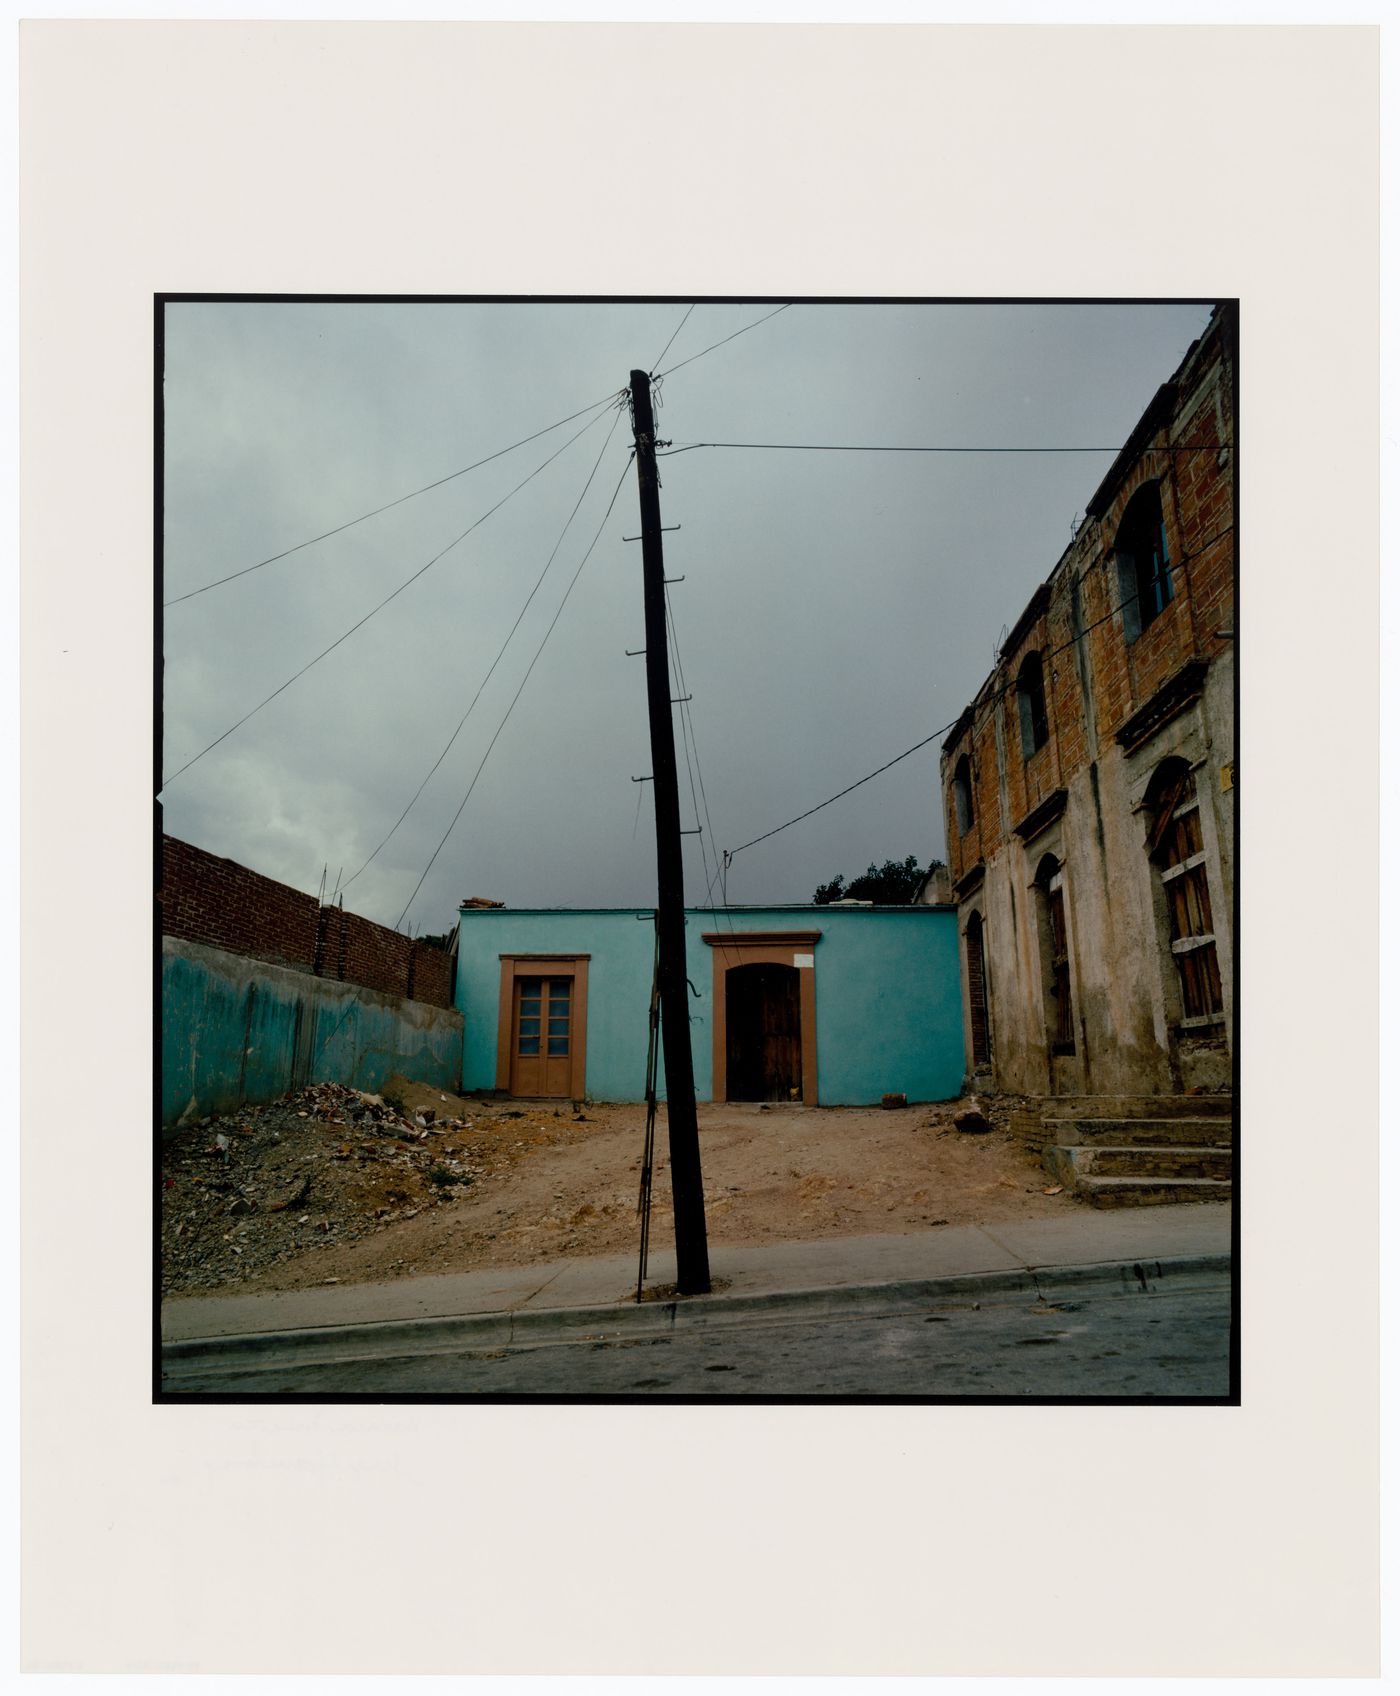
(1130, 1133)
(1144, 1192)
(1067, 1165)
(1117, 1151)
(1137, 1106)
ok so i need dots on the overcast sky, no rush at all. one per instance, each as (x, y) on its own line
(836, 608)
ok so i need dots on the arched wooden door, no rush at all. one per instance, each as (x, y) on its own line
(763, 1033)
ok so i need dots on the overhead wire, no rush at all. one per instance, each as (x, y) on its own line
(846, 791)
(713, 345)
(360, 624)
(1050, 653)
(723, 917)
(388, 505)
(687, 738)
(524, 680)
(500, 653)
(688, 732)
(865, 447)
(674, 333)
(355, 999)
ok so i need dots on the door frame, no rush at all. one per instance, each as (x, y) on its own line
(763, 948)
(573, 966)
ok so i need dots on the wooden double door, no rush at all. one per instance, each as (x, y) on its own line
(542, 1036)
(763, 1033)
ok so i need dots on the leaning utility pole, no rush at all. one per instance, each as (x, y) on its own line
(687, 1192)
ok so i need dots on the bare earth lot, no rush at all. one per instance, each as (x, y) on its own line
(328, 1186)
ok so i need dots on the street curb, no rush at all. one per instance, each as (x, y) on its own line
(195, 1356)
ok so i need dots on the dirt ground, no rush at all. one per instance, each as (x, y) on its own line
(330, 1186)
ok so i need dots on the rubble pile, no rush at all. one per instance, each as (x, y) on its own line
(323, 1165)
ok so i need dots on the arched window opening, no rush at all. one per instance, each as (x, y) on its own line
(1054, 955)
(1030, 700)
(1177, 850)
(977, 993)
(962, 794)
(1145, 582)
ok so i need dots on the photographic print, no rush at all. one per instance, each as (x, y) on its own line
(716, 887)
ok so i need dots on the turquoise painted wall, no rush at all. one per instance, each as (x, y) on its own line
(889, 1000)
(619, 990)
(236, 1030)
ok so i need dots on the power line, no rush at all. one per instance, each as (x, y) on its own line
(674, 333)
(165, 782)
(688, 727)
(687, 730)
(846, 791)
(413, 495)
(480, 768)
(500, 652)
(713, 345)
(524, 680)
(1195, 553)
(863, 447)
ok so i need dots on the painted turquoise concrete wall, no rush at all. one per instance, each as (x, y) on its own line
(236, 1030)
(889, 1000)
(619, 990)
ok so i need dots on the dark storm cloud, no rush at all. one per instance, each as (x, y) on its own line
(837, 607)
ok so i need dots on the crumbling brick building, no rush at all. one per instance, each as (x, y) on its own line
(1089, 788)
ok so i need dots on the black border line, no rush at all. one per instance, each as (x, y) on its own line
(162, 1397)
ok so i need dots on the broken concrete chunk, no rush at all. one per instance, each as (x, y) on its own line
(971, 1118)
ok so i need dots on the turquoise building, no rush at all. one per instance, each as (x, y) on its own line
(834, 1005)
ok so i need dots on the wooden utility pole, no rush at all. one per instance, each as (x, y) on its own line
(687, 1191)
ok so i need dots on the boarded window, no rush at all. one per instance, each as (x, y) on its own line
(1054, 955)
(1062, 1016)
(1178, 850)
(977, 993)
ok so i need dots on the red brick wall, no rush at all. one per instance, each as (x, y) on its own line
(207, 899)
(432, 975)
(360, 951)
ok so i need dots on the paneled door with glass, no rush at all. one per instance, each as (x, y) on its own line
(541, 1036)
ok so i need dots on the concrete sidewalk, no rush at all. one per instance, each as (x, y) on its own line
(498, 1304)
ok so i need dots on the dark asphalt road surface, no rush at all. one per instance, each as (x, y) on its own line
(1161, 1343)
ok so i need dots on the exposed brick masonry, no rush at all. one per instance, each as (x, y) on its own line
(207, 899)
(204, 898)
(1197, 506)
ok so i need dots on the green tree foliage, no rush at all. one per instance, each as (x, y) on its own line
(894, 884)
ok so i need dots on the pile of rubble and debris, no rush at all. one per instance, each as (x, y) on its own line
(326, 1164)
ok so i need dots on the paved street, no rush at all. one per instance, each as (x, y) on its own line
(1172, 1342)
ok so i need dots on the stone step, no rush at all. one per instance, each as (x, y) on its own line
(1130, 1133)
(1136, 1106)
(1070, 1165)
(1149, 1192)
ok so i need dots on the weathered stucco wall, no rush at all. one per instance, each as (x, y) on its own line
(619, 990)
(888, 996)
(236, 1030)
(1121, 971)
(1129, 677)
(888, 999)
